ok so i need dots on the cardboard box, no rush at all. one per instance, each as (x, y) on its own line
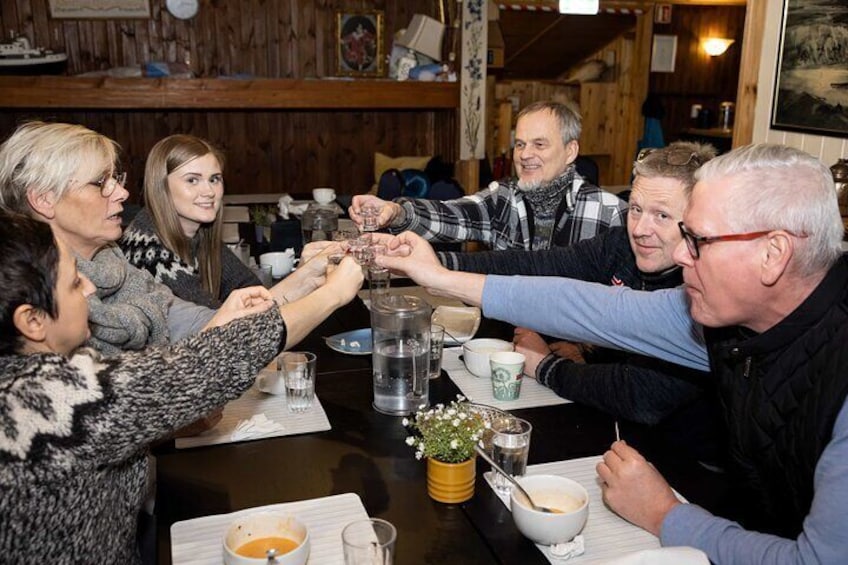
(495, 50)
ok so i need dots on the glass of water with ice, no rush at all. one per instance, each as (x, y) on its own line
(298, 369)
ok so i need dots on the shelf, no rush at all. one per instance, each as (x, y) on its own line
(225, 94)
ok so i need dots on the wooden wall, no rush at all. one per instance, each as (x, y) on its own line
(698, 78)
(267, 151)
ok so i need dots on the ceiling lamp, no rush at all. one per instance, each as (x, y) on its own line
(585, 7)
(716, 46)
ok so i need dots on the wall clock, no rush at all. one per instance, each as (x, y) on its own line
(182, 9)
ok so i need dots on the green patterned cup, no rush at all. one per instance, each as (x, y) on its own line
(507, 371)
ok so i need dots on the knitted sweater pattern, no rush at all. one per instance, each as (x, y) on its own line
(74, 435)
(144, 249)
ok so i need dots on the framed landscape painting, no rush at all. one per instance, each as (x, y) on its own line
(811, 84)
(359, 44)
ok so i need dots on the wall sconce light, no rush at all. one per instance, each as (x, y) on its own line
(584, 7)
(715, 46)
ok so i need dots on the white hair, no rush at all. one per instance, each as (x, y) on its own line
(783, 188)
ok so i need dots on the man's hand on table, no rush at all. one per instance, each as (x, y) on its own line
(634, 489)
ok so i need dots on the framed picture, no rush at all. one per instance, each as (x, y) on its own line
(663, 53)
(359, 44)
(811, 82)
(662, 14)
(97, 9)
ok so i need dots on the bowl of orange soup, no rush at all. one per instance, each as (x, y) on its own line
(249, 538)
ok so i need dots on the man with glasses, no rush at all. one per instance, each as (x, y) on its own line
(766, 284)
(547, 204)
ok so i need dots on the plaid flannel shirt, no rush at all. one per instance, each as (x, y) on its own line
(499, 216)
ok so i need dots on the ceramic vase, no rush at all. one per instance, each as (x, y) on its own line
(450, 482)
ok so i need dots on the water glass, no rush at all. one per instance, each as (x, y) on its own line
(369, 542)
(437, 342)
(370, 213)
(510, 448)
(264, 274)
(298, 369)
(242, 251)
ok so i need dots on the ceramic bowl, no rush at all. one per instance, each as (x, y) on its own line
(263, 525)
(475, 353)
(551, 491)
(323, 195)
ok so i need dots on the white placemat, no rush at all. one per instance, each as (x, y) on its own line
(252, 403)
(200, 541)
(479, 390)
(606, 535)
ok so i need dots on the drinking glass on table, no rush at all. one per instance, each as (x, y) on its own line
(369, 542)
(510, 447)
(298, 370)
(437, 342)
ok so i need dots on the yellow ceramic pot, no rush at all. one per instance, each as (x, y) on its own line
(450, 482)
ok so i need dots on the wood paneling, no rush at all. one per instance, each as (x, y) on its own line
(698, 78)
(285, 143)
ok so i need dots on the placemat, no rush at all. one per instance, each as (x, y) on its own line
(200, 541)
(252, 403)
(479, 390)
(606, 534)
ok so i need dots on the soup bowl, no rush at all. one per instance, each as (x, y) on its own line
(555, 492)
(252, 528)
(475, 353)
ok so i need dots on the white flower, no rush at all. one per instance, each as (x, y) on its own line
(405, 422)
(419, 454)
(455, 423)
(454, 444)
(410, 440)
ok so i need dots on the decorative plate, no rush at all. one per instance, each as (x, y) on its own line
(355, 342)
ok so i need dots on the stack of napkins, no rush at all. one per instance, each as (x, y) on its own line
(257, 426)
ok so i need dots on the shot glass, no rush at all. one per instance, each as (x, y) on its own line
(507, 372)
(437, 342)
(360, 248)
(369, 542)
(510, 447)
(370, 213)
(298, 369)
(379, 281)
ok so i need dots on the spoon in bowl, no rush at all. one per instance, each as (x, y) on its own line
(515, 483)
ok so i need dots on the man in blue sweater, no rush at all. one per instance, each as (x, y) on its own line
(765, 308)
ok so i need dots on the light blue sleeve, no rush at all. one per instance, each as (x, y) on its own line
(656, 324)
(187, 318)
(823, 540)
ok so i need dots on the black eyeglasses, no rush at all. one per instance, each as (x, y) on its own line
(693, 241)
(109, 182)
(676, 158)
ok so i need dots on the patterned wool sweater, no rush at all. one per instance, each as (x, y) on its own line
(143, 249)
(74, 435)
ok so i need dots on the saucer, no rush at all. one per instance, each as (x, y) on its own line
(355, 342)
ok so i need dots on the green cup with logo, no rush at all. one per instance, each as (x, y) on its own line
(507, 372)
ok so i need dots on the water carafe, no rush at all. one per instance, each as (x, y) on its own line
(319, 222)
(400, 355)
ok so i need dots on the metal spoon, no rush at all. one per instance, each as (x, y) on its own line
(272, 555)
(515, 483)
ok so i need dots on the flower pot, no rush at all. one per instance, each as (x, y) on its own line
(450, 482)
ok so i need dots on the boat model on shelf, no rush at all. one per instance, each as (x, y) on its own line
(19, 52)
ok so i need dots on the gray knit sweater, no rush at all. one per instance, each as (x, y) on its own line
(143, 249)
(74, 435)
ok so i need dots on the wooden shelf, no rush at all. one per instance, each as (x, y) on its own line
(225, 94)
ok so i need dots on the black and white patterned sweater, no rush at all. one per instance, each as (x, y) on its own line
(74, 435)
(143, 249)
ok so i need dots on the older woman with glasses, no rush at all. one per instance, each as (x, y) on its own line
(65, 175)
(177, 236)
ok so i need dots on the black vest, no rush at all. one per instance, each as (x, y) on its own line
(781, 392)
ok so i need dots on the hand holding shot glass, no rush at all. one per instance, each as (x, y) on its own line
(297, 368)
(370, 214)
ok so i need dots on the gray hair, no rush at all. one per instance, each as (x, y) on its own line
(41, 158)
(783, 188)
(661, 162)
(567, 113)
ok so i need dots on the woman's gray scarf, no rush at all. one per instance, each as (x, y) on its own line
(129, 309)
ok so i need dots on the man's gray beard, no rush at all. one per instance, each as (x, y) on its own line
(527, 186)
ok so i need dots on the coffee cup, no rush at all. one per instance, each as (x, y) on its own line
(281, 262)
(323, 195)
(507, 372)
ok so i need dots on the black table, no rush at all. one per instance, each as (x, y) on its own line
(365, 453)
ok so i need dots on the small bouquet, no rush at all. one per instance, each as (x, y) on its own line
(446, 433)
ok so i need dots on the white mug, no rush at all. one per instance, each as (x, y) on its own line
(323, 195)
(282, 262)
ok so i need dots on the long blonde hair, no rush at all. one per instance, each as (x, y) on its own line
(168, 155)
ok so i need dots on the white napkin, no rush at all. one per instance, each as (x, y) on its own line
(256, 426)
(663, 556)
(569, 549)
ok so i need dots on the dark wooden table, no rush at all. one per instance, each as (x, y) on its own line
(365, 453)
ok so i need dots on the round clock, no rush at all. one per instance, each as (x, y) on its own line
(182, 9)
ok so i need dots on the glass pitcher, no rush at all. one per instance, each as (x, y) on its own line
(319, 222)
(401, 336)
